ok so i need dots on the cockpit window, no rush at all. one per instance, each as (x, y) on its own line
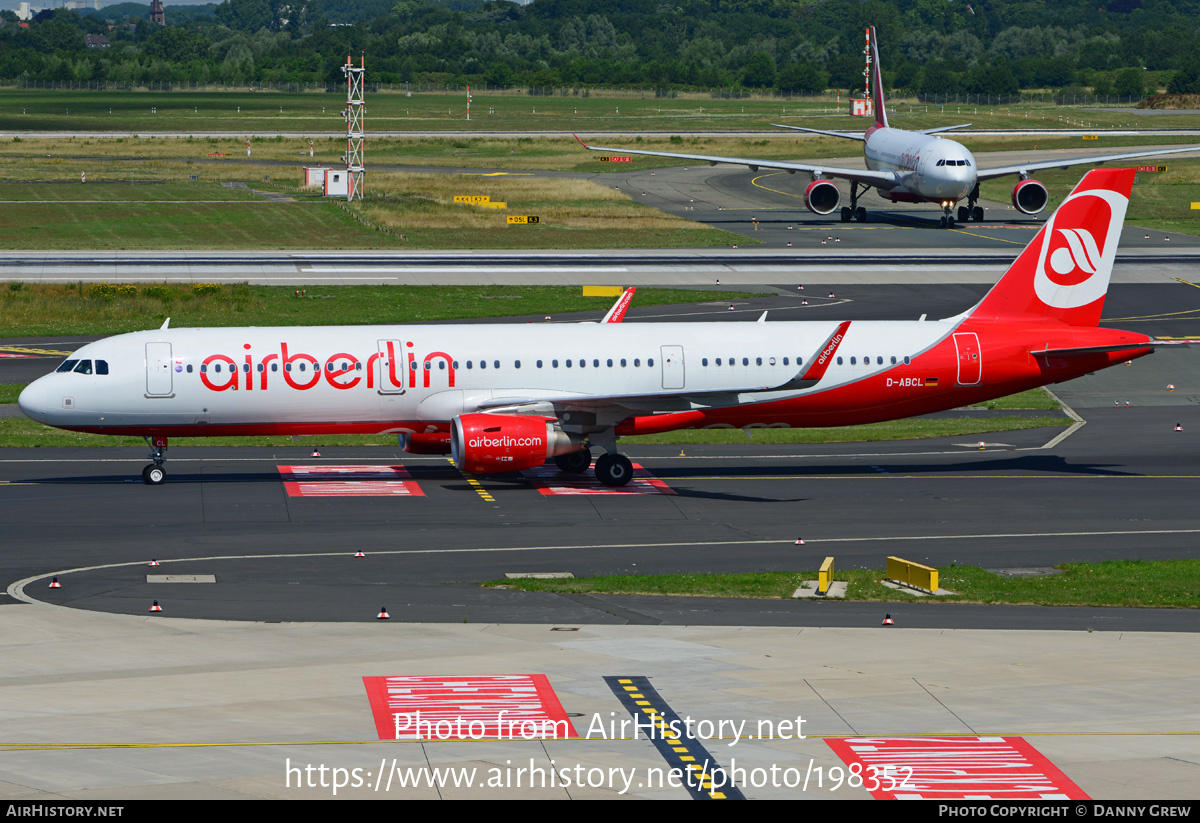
(101, 367)
(84, 367)
(67, 365)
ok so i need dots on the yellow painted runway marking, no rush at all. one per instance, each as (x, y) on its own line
(475, 484)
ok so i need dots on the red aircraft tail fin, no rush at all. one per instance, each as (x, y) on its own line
(877, 84)
(1064, 272)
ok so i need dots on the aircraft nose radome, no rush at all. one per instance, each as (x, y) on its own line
(32, 400)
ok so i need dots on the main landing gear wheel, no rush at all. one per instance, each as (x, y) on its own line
(846, 214)
(860, 214)
(964, 214)
(574, 462)
(977, 214)
(154, 475)
(614, 469)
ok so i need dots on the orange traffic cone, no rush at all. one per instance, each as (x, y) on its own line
(156, 607)
(887, 621)
(383, 615)
(54, 584)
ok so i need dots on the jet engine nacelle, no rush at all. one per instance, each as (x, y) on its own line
(488, 443)
(1029, 196)
(822, 197)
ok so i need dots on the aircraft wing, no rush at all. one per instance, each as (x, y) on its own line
(1021, 168)
(885, 179)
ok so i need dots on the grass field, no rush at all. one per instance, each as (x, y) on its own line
(42, 310)
(403, 211)
(1122, 583)
(240, 112)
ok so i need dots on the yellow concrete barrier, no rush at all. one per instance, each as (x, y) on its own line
(602, 291)
(913, 575)
(825, 576)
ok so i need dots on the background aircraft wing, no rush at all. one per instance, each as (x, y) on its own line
(885, 179)
(1062, 163)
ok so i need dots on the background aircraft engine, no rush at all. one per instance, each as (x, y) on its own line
(1029, 196)
(822, 197)
(488, 443)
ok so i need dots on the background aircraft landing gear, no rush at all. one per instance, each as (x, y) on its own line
(613, 469)
(155, 474)
(574, 462)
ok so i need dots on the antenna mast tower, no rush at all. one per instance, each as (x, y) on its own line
(355, 128)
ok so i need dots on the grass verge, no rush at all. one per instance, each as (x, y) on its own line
(1119, 583)
(40, 310)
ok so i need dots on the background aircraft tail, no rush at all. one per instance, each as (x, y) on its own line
(877, 83)
(1064, 272)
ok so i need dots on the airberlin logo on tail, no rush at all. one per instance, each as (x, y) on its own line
(1078, 261)
(1079, 243)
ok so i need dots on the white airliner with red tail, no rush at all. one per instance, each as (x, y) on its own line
(908, 167)
(502, 398)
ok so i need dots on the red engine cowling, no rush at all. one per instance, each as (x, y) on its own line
(425, 442)
(1029, 196)
(822, 197)
(488, 443)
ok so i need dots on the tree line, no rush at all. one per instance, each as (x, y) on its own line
(1123, 47)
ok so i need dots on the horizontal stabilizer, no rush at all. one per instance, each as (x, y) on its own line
(1078, 350)
(848, 135)
(940, 129)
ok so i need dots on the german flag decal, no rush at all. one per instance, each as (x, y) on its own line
(931, 381)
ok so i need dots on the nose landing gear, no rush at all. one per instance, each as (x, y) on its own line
(155, 474)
